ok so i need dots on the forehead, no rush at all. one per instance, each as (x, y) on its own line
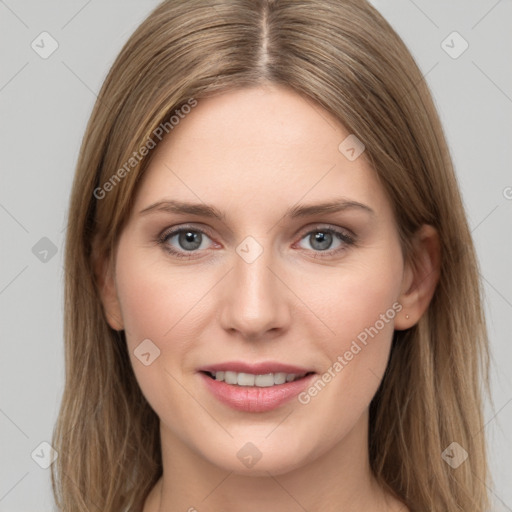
(258, 146)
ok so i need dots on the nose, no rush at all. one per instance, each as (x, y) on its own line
(255, 301)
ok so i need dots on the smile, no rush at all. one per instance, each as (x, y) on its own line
(255, 388)
(249, 379)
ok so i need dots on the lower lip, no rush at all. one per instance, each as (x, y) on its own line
(255, 399)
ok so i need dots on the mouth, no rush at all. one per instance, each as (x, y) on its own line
(255, 388)
(264, 380)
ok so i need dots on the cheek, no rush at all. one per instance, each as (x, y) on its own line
(359, 303)
(356, 297)
(360, 307)
(160, 305)
(171, 308)
(143, 303)
(158, 302)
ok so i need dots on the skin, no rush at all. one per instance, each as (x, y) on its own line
(253, 153)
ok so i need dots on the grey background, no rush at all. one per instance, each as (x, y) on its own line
(45, 104)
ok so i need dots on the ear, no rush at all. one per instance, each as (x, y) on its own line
(105, 277)
(421, 275)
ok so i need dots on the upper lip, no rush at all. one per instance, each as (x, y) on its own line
(256, 368)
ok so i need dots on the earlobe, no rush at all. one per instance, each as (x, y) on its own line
(108, 292)
(421, 276)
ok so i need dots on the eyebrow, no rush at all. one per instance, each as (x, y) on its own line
(204, 210)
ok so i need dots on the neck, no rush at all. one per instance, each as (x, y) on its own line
(339, 479)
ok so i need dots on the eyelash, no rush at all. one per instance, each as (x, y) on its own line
(343, 236)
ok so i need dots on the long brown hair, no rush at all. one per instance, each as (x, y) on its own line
(343, 55)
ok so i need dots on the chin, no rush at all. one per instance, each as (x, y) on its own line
(261, 459)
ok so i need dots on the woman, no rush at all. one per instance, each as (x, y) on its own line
(272, 293)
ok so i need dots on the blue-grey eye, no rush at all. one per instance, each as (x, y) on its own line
(321, 240)
(188, 240)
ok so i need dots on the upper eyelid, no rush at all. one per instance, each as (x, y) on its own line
(177, 229)
(318, 226)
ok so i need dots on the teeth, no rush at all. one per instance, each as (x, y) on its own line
(229, 377)
(246, 379)
(264, 381)
(279, 378)
(249, 379)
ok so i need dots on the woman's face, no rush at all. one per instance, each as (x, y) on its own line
(273, 285)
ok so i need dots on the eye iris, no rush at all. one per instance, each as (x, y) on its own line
(189, 240)
(324, 240)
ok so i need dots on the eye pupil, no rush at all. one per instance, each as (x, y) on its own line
(189, 240)
(324, 240)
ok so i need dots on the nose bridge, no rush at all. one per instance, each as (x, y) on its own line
(255, 301)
